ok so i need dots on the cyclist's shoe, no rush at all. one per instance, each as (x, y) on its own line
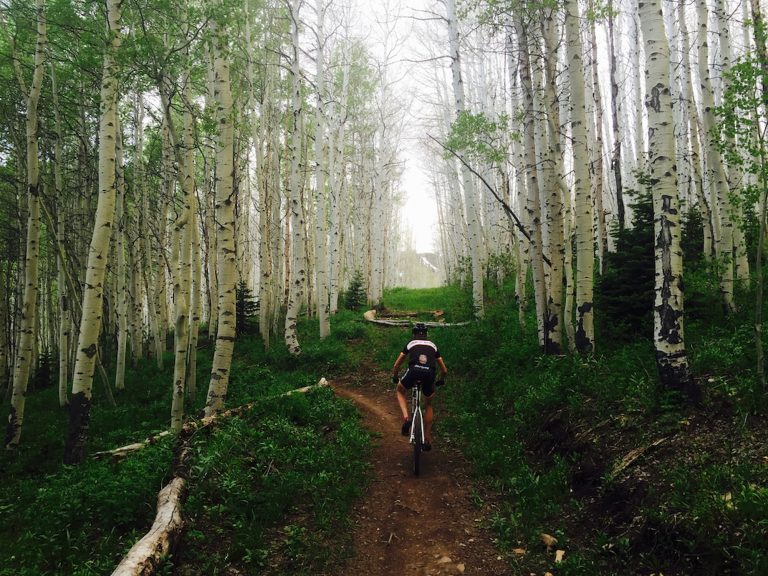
(406, 429)
(426, 446)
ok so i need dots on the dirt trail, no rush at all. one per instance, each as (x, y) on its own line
(413, 526)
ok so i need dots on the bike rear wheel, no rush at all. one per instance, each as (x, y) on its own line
(417, 443)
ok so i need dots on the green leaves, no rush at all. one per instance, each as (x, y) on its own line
(479, 137)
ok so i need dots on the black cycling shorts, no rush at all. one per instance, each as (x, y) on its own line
(426, 377)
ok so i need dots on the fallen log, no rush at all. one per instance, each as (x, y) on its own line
(371, 316)
(145, 556)
(123, 451)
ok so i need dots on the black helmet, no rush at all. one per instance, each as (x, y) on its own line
(420, 329)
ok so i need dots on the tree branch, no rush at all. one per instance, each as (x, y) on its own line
(507, 209)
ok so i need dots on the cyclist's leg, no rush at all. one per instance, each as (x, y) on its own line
(406, 383)
(428, 417)
(401, 400)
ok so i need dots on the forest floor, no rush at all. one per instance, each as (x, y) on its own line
(419, 526)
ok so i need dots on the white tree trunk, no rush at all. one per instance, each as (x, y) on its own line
(532, 198)
(298, 272)
(122, 289)
(183, 273)
(27, 331)
(65, 315)
(225, 229)
(321, 170)
(473, 215)
(715, 170)
(662, 172)
(585, 256)
(98, 253)
(553, 337)
(616, 153)
(694, 123)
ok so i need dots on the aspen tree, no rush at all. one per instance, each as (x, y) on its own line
(267, 198)
(736, 175)
(532, 202)
(65, 316)
(585, 257)
(669, 342)
(210, 228)
(715, 171)
(121, 272)
(595, 131)
(195, 306)
(473, 215)
(336, 167)
(553, 173)
(145, 239)
(321, 167)
(27, 330)
(616, 154)
(637, 96)
(694, 122)
(183, 273)
(98, 253)
(298, 273)
(225, 232)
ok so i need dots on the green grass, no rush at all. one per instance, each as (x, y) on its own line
(456, 303)
(81, 520)
(274, 488)
(271, 491)
(518, 413)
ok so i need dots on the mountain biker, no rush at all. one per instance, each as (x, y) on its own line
(423, 358)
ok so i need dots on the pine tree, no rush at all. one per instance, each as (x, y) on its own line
(625, 289)
(247, 310)
(355, 296)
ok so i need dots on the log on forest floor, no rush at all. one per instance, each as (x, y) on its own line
(372, 316)
(146, 555)
(123, 451)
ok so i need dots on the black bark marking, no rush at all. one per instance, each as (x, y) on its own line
(90, 351)
(675, 375)
(79, 422)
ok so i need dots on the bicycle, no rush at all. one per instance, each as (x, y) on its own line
(416, 437)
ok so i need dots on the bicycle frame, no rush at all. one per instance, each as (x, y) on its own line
(417, 426)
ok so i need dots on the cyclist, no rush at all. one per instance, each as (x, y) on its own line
(423, 359)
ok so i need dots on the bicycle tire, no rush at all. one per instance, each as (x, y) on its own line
(417, 444)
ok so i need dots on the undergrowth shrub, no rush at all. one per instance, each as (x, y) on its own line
(275, 486)
(82, 518)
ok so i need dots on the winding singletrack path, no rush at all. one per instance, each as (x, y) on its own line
(407, 525)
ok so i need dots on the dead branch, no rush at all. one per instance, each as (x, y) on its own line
(632, 456)
(123, 451)
(145, 556)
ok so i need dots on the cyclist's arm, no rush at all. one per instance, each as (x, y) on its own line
(441, 364)
(399, 361)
